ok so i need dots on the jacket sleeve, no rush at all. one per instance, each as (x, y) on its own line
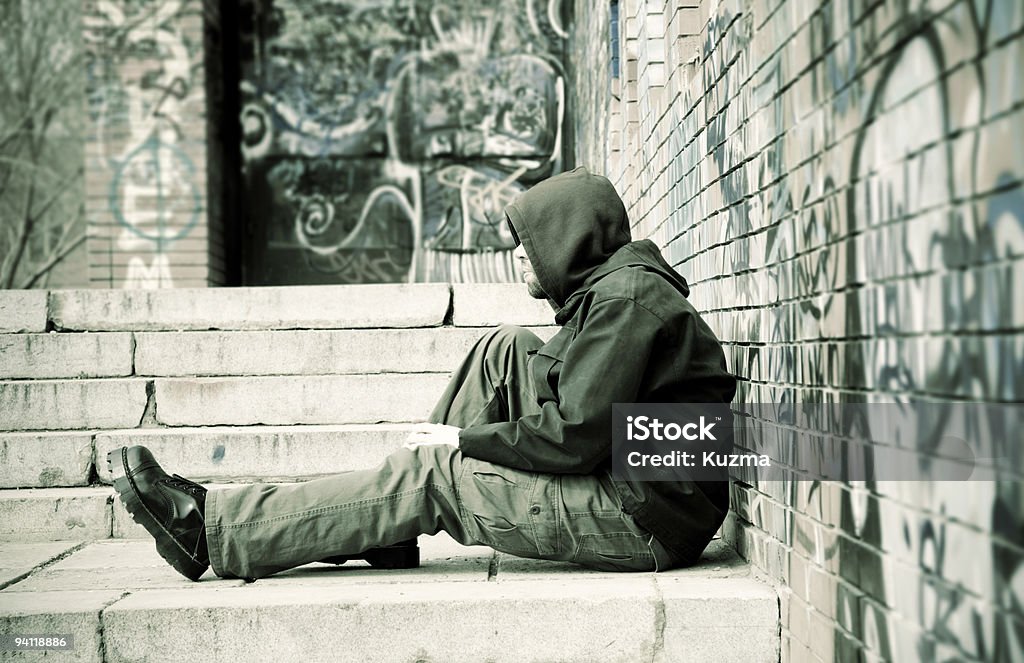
(604, 364)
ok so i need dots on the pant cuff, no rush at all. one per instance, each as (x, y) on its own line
(662, 557)
(213, 534)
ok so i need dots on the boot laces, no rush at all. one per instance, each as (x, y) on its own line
(190, 487)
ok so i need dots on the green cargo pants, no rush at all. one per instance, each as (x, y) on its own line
(260, 529)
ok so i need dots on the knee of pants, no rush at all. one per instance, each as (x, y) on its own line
(516, 336)
(434, 455)
(432, 463)
(507, 341)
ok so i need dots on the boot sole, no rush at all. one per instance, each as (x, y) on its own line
(168, 547)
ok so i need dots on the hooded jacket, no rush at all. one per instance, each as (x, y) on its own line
(628, 335)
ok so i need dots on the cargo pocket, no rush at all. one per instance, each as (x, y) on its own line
(614, 551)
(499, 511)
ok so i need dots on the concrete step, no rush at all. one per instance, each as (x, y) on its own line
(302, 352)
(22, 311)
(286, 400)
(42, 405)
(45, 459)
(87, 513)
(307, 352)
(122, 603)
(56, 514)
(55, 459)
(43, 356)
(18, 560)
(289, 307)
(71, 404)
(298, 307)
(223, 454)
(490, 304)
(218, 353)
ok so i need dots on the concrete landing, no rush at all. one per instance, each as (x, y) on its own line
(123, 603)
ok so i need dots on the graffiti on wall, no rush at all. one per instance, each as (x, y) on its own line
(894, 232)
(382, 140)
(145, 104)
(919, 172)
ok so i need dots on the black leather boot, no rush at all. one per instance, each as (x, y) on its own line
(401, 555)
(170, 507)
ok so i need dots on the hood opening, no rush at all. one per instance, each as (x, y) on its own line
(512, 230)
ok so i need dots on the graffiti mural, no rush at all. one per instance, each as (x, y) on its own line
(952, 596)
(147, 148)
(382, 140)
(852, 215)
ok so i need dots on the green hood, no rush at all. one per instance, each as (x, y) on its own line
(575, 230)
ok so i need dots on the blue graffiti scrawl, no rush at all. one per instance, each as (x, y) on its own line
(381, 140)
(162, 173)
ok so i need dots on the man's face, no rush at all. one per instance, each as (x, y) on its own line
(529, 277)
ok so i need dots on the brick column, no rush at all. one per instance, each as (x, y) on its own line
(146, 151)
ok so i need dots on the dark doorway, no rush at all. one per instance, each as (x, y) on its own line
(381, 141)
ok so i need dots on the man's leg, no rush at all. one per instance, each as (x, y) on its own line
(256, 530)
(493, 382)
(253, 531)
(567, 517)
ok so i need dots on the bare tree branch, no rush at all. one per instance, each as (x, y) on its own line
(53, 262)
(63, 228)
(10, 242)
(26, 231)
(64, 186)
(6, 179)
(40, 65)
(16, 131)
(28, 165)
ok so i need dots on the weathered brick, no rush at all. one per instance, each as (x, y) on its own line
(328, 399)
(22, 311)
(71, 404)
(55, 514)
(299, 307)
(43, 460)
(53, 355)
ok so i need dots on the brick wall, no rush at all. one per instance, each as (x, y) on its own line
(841, 184)
(146, 146)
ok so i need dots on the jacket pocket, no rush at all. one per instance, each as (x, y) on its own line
(546, 366)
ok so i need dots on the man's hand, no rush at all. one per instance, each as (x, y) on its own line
(425, 434)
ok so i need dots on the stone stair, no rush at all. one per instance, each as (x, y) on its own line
(289, 384)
